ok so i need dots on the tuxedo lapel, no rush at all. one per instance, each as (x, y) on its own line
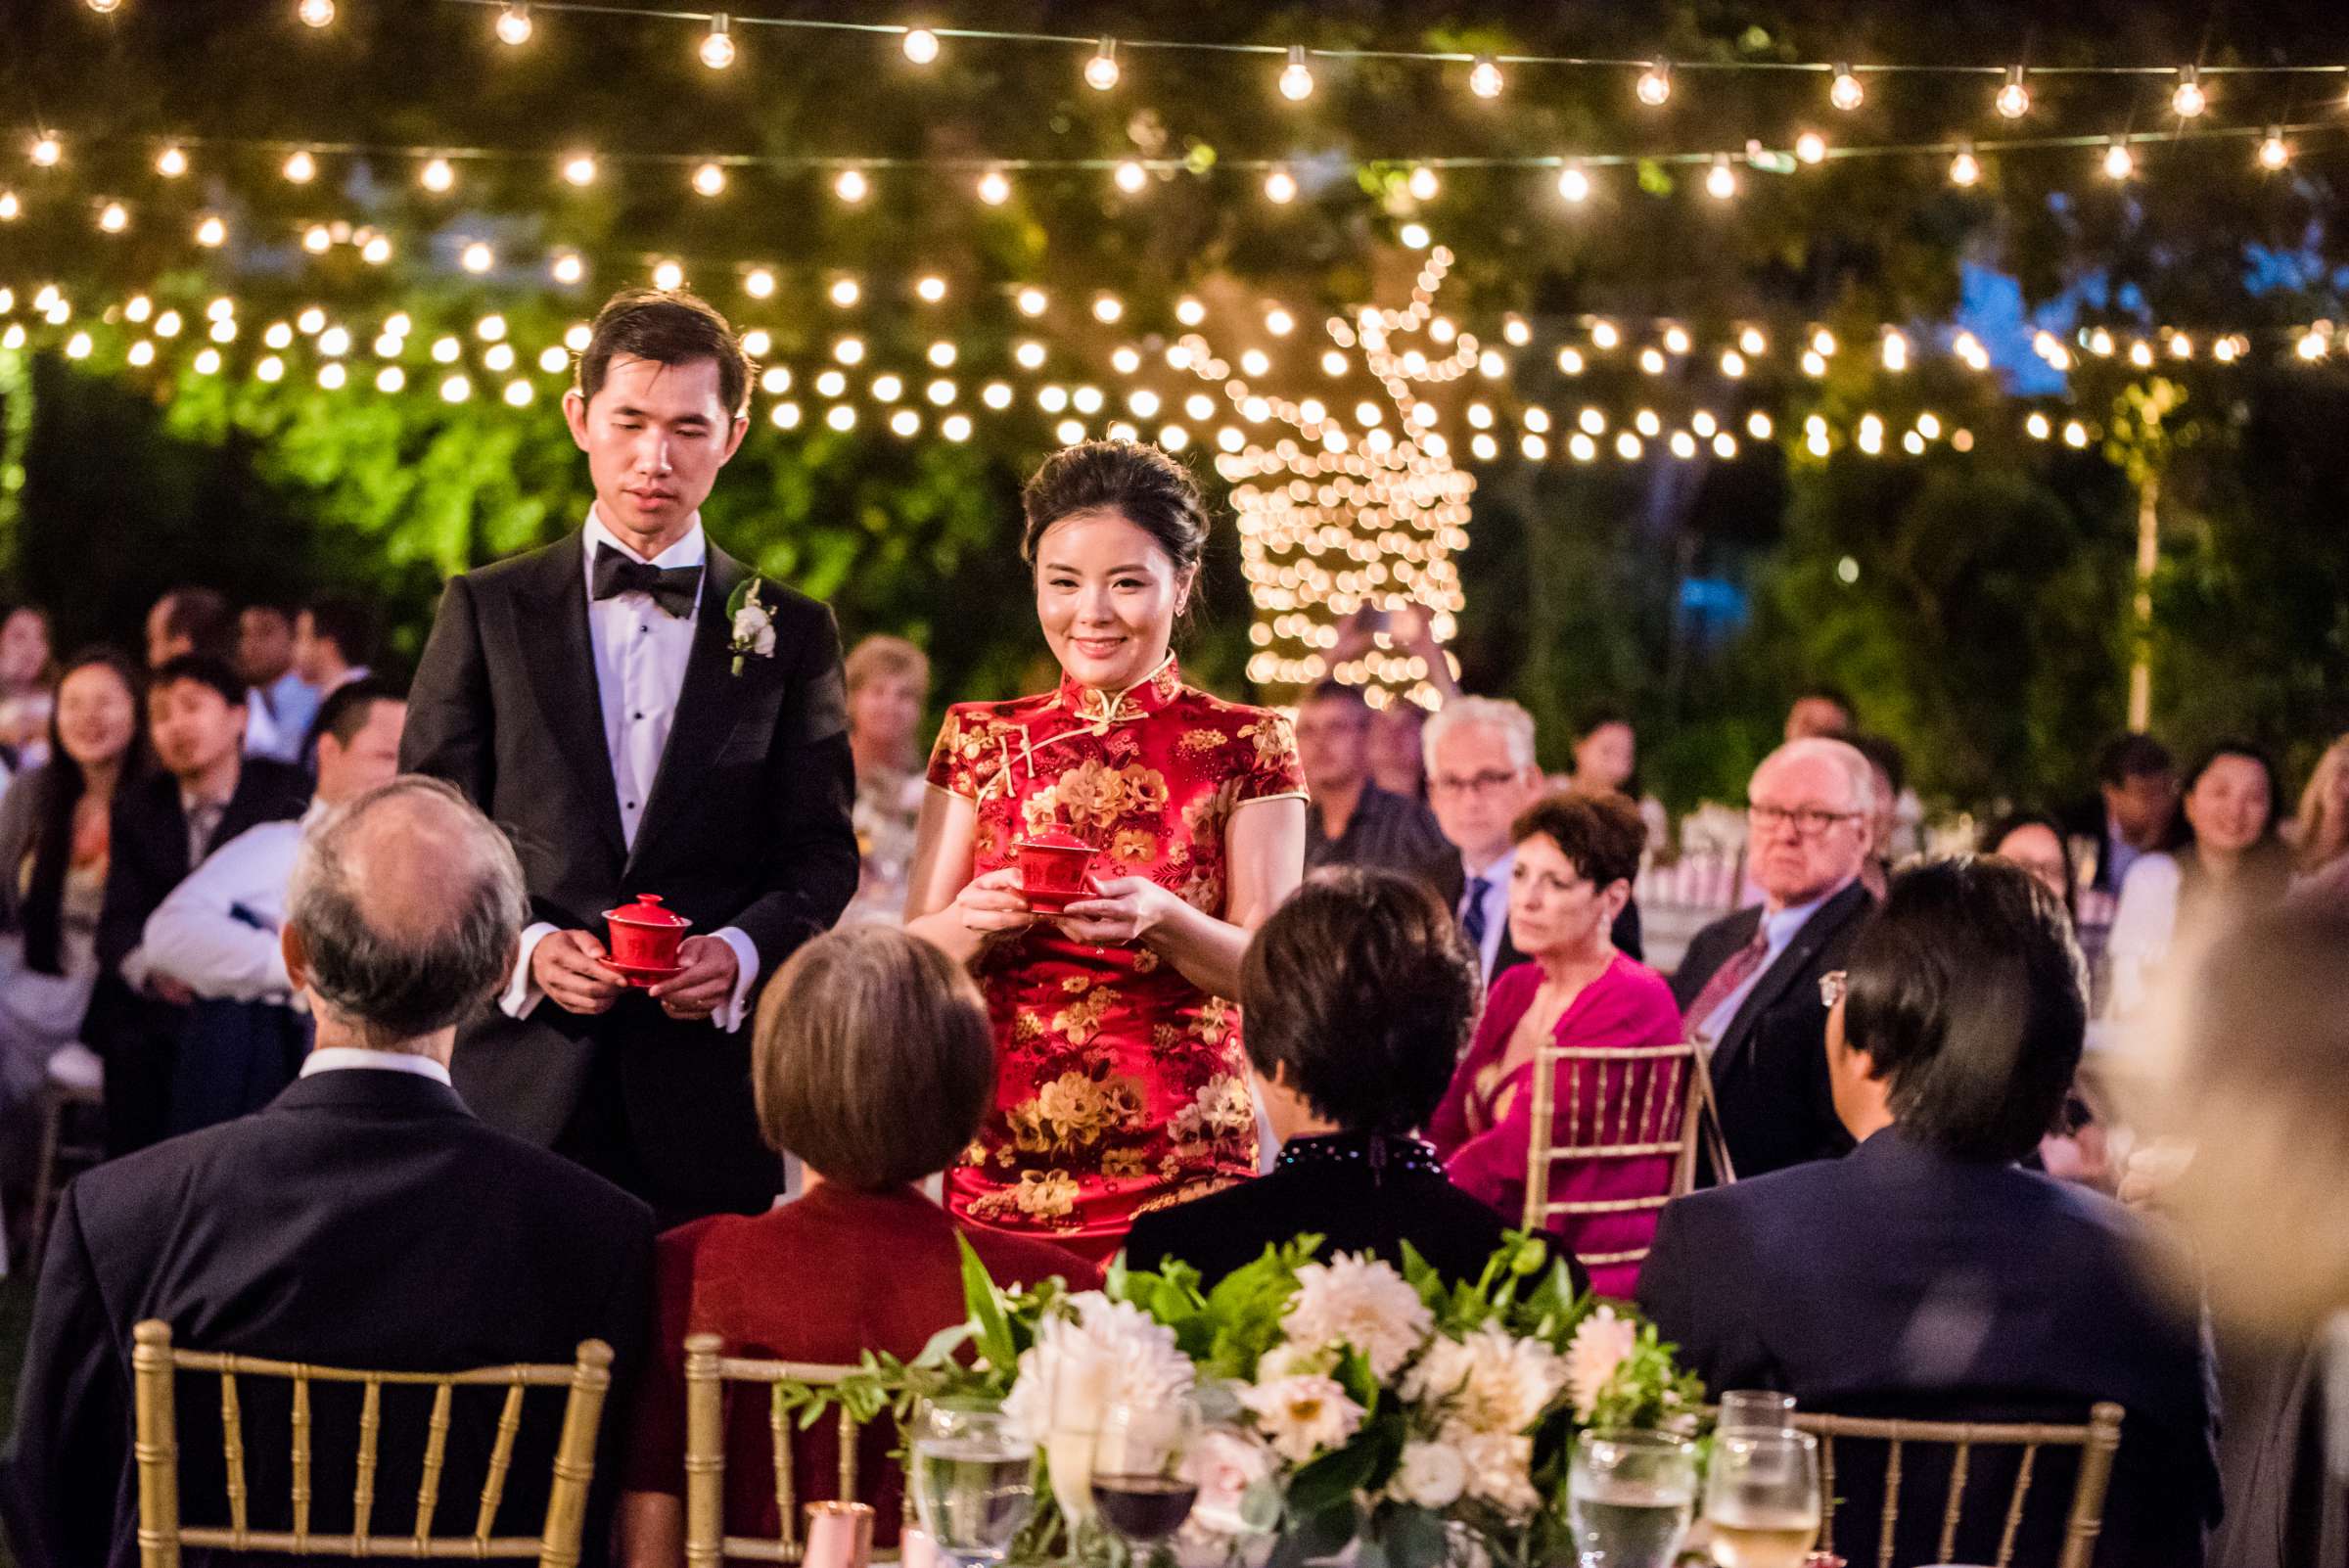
(562, 657)
(706, 705)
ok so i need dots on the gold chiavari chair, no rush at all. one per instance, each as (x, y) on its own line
(708, 1371)
(155, 1365)
(2097, 1442)
(1599, 1105)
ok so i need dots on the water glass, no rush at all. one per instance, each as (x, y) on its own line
(1142, 1479)
(1762, 1499)
(1630, 1496)
(974, 1480)
(1756, 1409)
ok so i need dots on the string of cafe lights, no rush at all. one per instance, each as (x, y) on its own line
(1100, 59)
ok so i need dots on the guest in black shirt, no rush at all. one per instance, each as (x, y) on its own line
(1359, 995)
(1351, 821)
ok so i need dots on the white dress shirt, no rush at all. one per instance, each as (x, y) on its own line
(1497, 908)
(193, 936)
(343, 1058)
(1778, 931)
(641, 651)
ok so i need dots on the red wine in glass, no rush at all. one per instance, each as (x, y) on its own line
(1144, 1507)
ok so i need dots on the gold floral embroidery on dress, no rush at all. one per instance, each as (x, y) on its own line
(1075, 1111)
(1123, 1162)
(1199, 742)
(1220, 1112)
(1204, 819)
(1081, 1020)
(1214, 1020)
(1026, 1026)
(1050, 1196)
(1204, 1186)
(1274, 744)
(1145, 960)
(1135, 845)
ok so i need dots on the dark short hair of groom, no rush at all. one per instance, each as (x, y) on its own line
(671, 328)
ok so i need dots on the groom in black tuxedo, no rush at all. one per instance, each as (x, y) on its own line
(597, 699)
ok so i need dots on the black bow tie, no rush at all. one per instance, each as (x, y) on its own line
(673, 588)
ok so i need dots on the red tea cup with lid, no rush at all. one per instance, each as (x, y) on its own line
(1052, 870)
(645, 937)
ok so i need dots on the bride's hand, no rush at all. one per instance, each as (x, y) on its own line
(1121, 912)
(993, 905)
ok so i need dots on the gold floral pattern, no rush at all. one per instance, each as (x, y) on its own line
(1119, 1082)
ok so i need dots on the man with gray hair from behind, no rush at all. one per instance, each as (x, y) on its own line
(363, 1219)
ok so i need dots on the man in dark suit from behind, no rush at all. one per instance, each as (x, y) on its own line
(363, 1219)
(1748, 986)
(1927, 1273)
(205, 794)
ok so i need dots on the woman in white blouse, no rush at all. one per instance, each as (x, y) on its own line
(2231, 860)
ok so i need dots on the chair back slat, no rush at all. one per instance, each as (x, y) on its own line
(1956, 1498)
(1645, 1102)
(436, 1455)
(2098, 1439)
(162, 1536)
(787, 1501)
(232, 1450)
(363, 1489)
(301, 1457)
(707, 1370)
(849, 1430)
(704, 1452)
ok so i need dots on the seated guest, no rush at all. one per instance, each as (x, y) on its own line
(888, 681)
(334, 642)
(1820, 712)
(1350, 820)
(201, 620)
(217, 934)
(1481, 775)
(1358, 993)
(27, 687)
(265, 659)
(364, 1219)
(2320, 831)
(54, 823)
(871, 1061)
(1747, 987)
(1607, 761)
(206, 794)
(2035, 842)
(1576, 856)
(2230, 863)
(1927, 1273)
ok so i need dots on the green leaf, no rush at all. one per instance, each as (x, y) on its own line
(985, 1305)
(1317, 1532)
(1417, 1539)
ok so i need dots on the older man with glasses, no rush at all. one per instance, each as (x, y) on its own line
(1748, 987)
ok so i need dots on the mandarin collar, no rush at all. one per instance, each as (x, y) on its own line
(1101, 709)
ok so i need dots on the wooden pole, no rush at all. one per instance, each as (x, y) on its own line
(2148, 556)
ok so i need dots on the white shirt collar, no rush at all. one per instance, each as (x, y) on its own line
(1497, 875)
(343, 1058)
(1778, 929)
(314, 813)
(690, 551)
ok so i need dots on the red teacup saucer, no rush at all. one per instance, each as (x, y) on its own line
(640, 975)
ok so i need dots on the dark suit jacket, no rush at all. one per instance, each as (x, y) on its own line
(364, 1218)
(146, 858)
(747, 826)
(1899, 1280)
(1341, 1199)
(1770, 1066)
(1452, 884)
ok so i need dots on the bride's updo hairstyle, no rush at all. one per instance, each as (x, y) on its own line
(1138, 482)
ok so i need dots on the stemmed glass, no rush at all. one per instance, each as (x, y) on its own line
(1143, 1479)
(1762, 1499)
(1629, 1497)
(1754, 1409)
(973, 1479)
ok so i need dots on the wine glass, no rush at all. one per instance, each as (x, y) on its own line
(1629, 1497)
(1762, 1499)
(973, 1479)
(1144, 1480)
(1755, 1409)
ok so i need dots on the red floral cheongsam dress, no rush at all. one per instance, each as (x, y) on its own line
(1121, 1085)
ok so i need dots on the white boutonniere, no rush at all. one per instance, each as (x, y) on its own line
(753, 624)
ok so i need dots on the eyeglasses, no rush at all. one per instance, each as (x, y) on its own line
(1809, 821)
(1833, 987)
(1483, 783)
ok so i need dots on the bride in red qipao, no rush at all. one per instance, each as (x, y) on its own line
(1120, 1080)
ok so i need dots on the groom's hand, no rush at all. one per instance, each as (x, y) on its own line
(706, 983)
(565, 966)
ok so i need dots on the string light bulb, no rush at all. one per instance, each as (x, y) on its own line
(2274, 151)
(1132, 177)
(669, 277)
(930, 290)
(851, 186)
(708, 180)
(318, 239)
(1296, 78)
(718, 47)
(171, 163)
(1280, 187)
(568, 268)
(47, 150)
(579, 168)
(2014, 101)
(1655, 85)
(920, 45)
(514, 23)
(477, 259)
(2188, 99)
(1423, 184)
(106, 8)
(1101, 73)
(1810, 147)
(436, 176)
(1845, 91)
(376, 252)
(1720, 182)
(1965, 170)
(2119, 161)
(1484, 78)
(1574, 183)
(114, 217)
(316, 13)
(993, 188)
(301, 167)
(212, 232)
